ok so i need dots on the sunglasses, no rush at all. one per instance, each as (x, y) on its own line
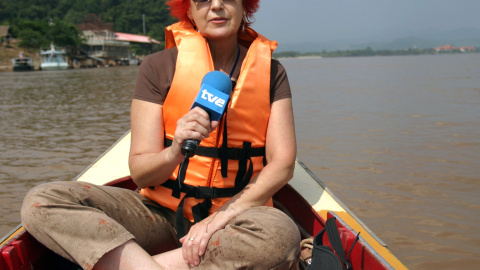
(203, 1)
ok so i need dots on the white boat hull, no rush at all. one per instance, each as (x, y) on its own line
(53, 66)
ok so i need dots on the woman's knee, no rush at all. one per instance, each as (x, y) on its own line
(281, 231)
(39, 199)
(46, 192)
(31, 203)
(280, 245)
(264, 235)
(274, 223)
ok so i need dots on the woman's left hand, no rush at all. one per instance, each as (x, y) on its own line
(195, 242)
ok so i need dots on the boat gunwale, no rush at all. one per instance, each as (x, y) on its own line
(101, 156)
(18, 230)
(350, 212)
(365, 243)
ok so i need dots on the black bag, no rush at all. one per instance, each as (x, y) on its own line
(323, 256)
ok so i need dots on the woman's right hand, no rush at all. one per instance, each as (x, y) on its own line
(151, 164)
(193, 125)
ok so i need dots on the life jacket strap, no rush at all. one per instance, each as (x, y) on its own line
(244, 174)
(233, 153)
(200, 210)
(245, 166)
(199, 192)
(223, 153)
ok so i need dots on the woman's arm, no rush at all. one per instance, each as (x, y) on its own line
(149, 162)
(281, 151)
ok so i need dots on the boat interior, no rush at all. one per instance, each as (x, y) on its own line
(20, 250)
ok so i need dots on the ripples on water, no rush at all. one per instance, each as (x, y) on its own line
(53, 124)
(396, 139)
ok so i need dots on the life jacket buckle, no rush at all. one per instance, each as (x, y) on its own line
(200, 192)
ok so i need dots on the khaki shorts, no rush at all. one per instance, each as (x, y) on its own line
(82, 222)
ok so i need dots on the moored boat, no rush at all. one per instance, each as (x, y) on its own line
(305, 199)
(53, 59)
(22, 64)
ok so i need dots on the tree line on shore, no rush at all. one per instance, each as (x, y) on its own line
(38, 23)
(358, 52)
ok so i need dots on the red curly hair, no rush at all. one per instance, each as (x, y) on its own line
(179, 9)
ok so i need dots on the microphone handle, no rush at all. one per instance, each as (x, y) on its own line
(189, 147)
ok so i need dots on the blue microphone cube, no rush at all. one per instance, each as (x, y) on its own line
(212, 100)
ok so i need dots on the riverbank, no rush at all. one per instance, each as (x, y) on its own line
(8, 52)
(11, 50)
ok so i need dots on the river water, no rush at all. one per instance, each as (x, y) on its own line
(397, 139)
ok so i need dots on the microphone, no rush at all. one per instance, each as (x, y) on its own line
(213, 96)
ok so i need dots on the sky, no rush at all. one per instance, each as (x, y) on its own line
(297, 21)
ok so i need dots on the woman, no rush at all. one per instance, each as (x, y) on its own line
(228, 223)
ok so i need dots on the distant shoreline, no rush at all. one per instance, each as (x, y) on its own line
(340, 56)
(368, 52)
(7, 53)
(300, 57)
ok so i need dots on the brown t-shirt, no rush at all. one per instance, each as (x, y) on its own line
(156, 74)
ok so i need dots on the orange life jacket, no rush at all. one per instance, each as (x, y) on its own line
(218, 170)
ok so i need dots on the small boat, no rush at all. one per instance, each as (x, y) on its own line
(53, 59)
(22, 63)
(305, 199)
(124, 62)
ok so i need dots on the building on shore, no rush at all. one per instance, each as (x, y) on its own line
(449, 49)
(103, 46)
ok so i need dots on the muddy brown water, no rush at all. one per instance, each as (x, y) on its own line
(397, 139)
